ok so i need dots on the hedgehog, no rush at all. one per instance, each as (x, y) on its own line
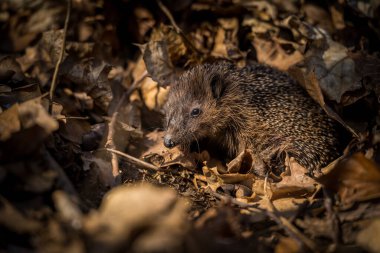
(255, 107)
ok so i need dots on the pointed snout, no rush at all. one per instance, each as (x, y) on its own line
(168, 142)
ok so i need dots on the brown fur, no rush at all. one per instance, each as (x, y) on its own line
(255, 107)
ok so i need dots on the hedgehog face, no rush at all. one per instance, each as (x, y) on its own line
(187, 119)
(192, 111)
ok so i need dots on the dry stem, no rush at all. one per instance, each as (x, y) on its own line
(58, 64)
(110, 144)
(134, 160)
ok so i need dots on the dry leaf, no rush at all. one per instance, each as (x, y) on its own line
(295, 181)
(288, 245)
(354, 179)
(156, 153)
(369, 236)
(141, 218)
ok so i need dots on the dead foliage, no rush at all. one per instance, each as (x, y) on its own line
(86, 171)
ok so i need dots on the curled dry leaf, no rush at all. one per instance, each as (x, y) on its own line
(329, 60)
(26, 116)
(270, 48)
(20, 123)
(272, 52)
(226, 43)
(354, 179)
(141, 218)
(246, 162)
(158, 63)
(162, 157)
(295, 181)
(164, 48)
(218, 177)
(154, 96)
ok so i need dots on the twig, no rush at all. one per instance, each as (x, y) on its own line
(71, 117)
(111, 144)
(111, 127)
(178, 30)
(58, 64)
(233, 200)
(134, 160)
(287, 225)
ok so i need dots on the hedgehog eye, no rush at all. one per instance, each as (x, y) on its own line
(195, 112)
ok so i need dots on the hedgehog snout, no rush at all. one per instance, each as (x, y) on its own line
(168, 141)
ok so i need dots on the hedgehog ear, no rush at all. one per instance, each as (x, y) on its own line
(217, 86)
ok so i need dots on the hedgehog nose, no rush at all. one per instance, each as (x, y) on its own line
(168, 142)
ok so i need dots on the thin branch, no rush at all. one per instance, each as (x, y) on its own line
(71, 117)
(234, 201)
(111, 127)
(111, 144)
(58, 64)
(178, 30)
(134, 160)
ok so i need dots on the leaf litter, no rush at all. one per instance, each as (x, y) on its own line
(87, 172)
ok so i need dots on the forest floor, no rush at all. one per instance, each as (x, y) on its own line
(82, 163)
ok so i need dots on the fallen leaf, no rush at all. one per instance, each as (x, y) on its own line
(20, 123)
(369, 236)
(288, 245)
(329, 60)
(141, 218)
(9, 122)
(294, 182)
(156, 153)
(354, 179)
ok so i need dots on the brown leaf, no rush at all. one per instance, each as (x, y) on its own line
(369, 236)
(141, 218)
(246, 162)
(226, 41)
(354, 179)
(91, 76)
(74, 129)
(311, 84)
(165, 51)
(294, 181)
(24, 122)
(156, 153)
(9, 122)
(333, 67)
(274, 53)
(288, 245)
(158, 63)
(51, 45)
